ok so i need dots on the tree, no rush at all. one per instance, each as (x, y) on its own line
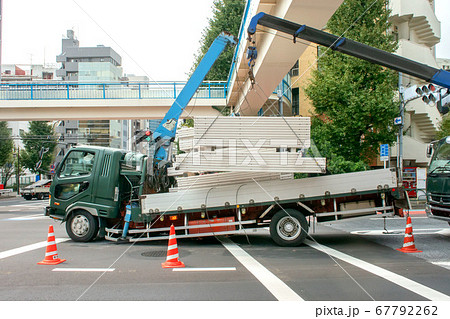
(6, 143)
(354, 99)
(6, 150)
(227, 16)
(444, 127)
(40, 137)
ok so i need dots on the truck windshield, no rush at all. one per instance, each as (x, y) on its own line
(440, 163)
(77, 163)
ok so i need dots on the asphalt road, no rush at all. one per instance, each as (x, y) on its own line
(351, 260)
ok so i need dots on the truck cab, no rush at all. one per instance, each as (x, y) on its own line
(91, 187)
(438, 180)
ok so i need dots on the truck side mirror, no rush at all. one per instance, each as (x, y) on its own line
(429, 150)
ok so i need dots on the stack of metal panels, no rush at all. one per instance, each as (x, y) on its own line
(246, 132)
(251, 160)
(247, 147)
(226, 178)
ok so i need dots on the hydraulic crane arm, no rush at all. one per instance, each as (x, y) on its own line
(162, 138)
(353, 48)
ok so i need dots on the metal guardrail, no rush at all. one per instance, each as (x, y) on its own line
(107, 90)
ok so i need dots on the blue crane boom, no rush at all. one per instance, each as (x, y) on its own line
(162, 138)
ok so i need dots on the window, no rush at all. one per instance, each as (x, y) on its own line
(295, 101)
(69, 190)
(77, 163)
(294, 70)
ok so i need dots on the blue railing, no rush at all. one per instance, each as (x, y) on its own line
(285, 87)
(109, 90)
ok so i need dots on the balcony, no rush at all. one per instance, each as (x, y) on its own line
(425, 27)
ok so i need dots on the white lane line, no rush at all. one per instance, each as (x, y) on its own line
(278, 288)
(206, 269)
(445, 232)
(29, 217)
(445, 264)
(24, 249)
(85, 269)
(425, 231)
(397, 219)
(404, 282)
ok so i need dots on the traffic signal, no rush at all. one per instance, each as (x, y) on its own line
(143, 135)
(429, 94)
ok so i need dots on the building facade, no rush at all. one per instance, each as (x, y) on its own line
(418, 31)
(90, 64)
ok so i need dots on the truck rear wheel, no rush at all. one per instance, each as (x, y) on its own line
(288, 227)
(82, 226)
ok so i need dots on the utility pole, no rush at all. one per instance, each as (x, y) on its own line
(400, 131)
(18, 170)
(280, 102)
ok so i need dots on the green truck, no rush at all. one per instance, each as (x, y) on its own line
(104, 192)
(438, 180)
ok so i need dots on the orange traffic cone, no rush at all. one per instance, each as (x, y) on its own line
(408, 243)
(172, 252)
(51, 254)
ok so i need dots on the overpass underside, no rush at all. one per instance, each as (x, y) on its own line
(123, 109)
(276, 52)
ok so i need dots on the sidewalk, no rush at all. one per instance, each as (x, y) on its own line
(6, 194)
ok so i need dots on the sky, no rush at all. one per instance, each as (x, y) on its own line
(157, 38)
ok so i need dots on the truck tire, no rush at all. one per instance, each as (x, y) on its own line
(82, 226)
(27, 197)
(40, 196)
(288, 227)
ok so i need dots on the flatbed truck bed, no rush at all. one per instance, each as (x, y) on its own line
(243, 208)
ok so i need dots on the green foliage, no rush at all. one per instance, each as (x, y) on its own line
(227, 16)
(444, 127)
(188, 123)
(6, 153)
(6, 144)
(354, 99)
(40, 135)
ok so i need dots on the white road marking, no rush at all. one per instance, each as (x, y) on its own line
(278, 288)
(404, 282)
(24, 249)
(445, 264)
(31, 205)
(29, 217)
(85, 269)
(425, 231)
(397, 219)
(206, 269)
(445, 232)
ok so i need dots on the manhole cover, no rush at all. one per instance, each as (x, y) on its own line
(155, 253)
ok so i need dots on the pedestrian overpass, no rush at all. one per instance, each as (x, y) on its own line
(98, 101)
(150, 100)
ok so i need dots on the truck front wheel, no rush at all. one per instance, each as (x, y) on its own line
(288, 227)
(82, 226)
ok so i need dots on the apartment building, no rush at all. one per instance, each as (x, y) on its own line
(90, 64)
